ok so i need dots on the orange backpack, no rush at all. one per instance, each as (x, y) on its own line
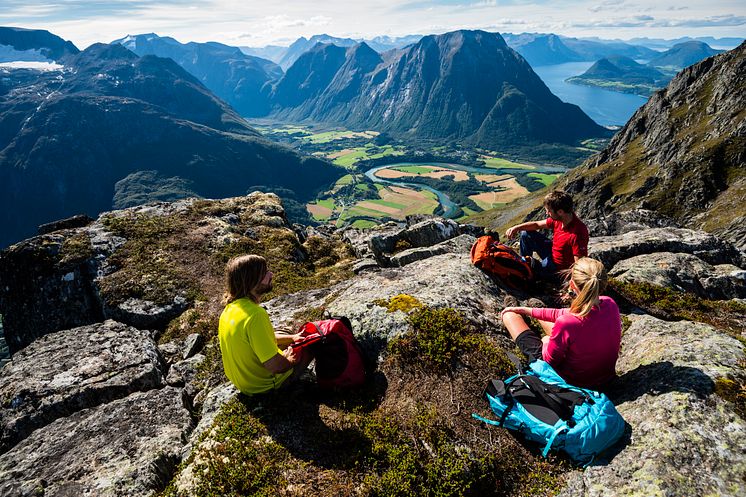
(501, 261)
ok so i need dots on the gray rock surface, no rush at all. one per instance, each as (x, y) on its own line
(685, 440)
(184, 372)
(70, 370)
(213, 401)
(683, 272)
(193, 344)
(458, 245)
(126, 447)
(708, 247)
(617, 223)
(448, 280)
(381, 243)
(145, 314)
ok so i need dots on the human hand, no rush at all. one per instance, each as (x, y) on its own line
(545, 339)
(292, 355)
(518, 310)
(510, 232)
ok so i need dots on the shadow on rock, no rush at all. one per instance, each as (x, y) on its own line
(312, 424)
(659, 378)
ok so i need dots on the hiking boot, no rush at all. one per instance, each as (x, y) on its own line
(510, 301)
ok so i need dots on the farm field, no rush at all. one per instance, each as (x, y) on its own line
(499, 163)
(512, 190)
(348, 157)
(545, 179)
(396, 202)
(425, 171)
(330, 136)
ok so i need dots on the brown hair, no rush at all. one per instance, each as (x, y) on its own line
(590, 277)
(559, 199)
(242, 275)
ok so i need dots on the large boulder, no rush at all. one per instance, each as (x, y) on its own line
(127, 447)
(448, 280)
(685, 439)
(708, 247)
(70, 370)
(460, 244)
(683, 272)
(616, 223)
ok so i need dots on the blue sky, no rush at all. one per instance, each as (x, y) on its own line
(255, 23)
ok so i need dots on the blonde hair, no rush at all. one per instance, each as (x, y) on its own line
(242, 275)
(589, 275)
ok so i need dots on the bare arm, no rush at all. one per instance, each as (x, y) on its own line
(527, 226)
(279, 363)
(284, 339)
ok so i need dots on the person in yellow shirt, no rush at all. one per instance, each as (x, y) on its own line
(255, 358)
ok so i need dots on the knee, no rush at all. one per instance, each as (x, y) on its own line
(525, 235)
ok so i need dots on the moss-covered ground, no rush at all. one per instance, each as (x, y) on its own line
(727, 315)
(407, 432)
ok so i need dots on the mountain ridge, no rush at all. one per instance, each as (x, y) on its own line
(432, 90)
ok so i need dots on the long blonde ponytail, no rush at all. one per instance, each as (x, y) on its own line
(590, 277)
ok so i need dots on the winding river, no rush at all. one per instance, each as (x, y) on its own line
(450, 209)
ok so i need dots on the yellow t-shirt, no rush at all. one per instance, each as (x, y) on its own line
(247, 340)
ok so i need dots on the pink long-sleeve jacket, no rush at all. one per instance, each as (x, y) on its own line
(583, 350)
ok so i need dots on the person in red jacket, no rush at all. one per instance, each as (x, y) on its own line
(570, 240)
(582, 342)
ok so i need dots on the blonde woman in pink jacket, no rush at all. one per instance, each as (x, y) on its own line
(582, 342)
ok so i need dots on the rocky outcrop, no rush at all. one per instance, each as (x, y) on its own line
(441, 281)
(617, 223)
(67, 371)
(102, 409)
(706, 246)
(72, 267)
(393, 245)
(681, 154)
(685, 440)
(685, 273)
(127, 447)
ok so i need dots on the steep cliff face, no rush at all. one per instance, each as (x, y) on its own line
(682, 155)
(116, 383)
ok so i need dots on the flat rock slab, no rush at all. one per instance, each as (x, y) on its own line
(685, 440)
(128, 447)
(70, 370)
(709, 248)
(684, 272)
(460, 244)
(448, 280)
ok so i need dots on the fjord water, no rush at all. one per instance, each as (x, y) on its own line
(607, 108)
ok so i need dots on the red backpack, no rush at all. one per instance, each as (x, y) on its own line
(501, 261)
(339, 362)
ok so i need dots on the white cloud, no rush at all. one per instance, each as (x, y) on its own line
(282, 21)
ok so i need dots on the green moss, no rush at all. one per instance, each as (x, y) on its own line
(210, 372)
(626, 323)
(727, 315)
(147, 269)
(402, 302)
(402, 245)
(419, 458)
(438, 338)
(76, 248)
(243, 460)
(191, 321)
(733, 391)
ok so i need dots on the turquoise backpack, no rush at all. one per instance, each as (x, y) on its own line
(546, 409)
